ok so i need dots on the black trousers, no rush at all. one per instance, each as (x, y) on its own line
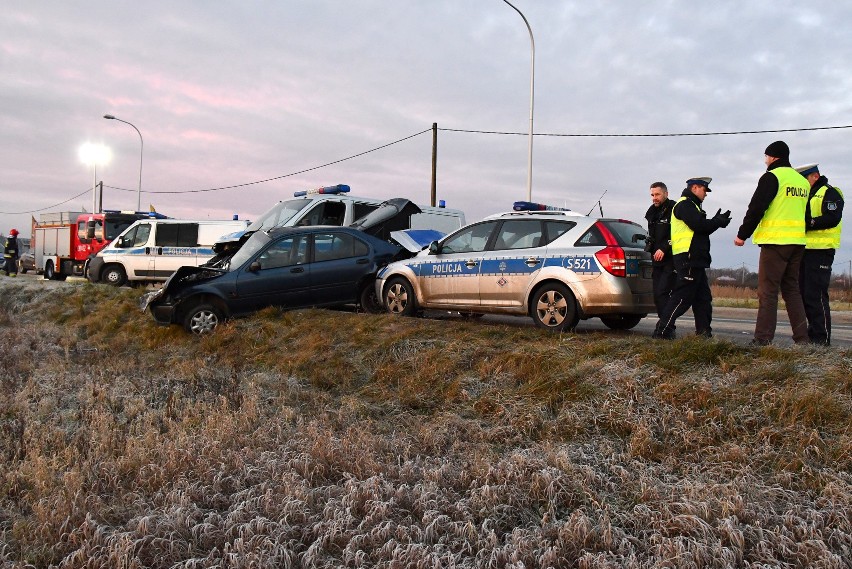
(664, 281)
(814, 278)
(691, 289)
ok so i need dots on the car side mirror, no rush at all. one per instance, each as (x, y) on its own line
(254, 267)
(434, 248)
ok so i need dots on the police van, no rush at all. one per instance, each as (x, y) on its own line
(330, 205)
(151, 250)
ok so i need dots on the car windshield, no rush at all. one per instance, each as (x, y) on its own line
(281, 213)
(254, 244)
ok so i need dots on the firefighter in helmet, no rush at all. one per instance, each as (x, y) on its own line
(11, 254)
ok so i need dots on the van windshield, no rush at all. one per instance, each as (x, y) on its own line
(280, 214)
(254, 244)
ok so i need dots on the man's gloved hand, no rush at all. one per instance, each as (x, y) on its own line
(723, 219)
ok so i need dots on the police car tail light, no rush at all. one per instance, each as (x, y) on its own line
(612, 260)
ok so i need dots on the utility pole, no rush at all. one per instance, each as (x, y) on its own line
(434, 162)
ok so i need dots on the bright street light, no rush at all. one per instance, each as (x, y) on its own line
(532, 98)
(141, 148)
(94, 155)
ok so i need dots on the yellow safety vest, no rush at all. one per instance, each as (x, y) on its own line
(783, 222)
(822, 238)
(681, 233)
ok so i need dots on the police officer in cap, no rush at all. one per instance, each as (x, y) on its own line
(691, 248)
(822, 237)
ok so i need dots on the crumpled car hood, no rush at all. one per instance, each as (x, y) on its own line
(182, 275)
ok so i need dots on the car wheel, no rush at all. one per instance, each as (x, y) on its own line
(621, 321)
(202, 319)
(114, 275)
(22, 268)
(370, 302)
(399, 297)
(553, 307)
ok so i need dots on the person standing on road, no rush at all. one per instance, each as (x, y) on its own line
(775, 220)
(822, 237)
(690, 231)
(11, 254)
(659, 244)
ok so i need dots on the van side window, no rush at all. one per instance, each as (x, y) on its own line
(136, 237)
(177, 235)
(330, 246)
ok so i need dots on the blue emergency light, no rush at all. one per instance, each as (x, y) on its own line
(338, 189)
(532, 206)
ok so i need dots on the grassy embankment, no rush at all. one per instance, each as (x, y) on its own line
(326, 439)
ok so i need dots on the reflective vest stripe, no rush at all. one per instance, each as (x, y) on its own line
(822, 238)
(681, 233)
(783, 221)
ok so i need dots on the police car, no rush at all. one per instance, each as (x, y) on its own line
(556, 266)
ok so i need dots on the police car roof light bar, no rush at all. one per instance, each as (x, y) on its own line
(338, 189)
(532, 206)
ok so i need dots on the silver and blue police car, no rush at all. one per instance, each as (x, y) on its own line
(555, 266)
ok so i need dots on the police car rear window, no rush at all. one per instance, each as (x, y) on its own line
(624, 232)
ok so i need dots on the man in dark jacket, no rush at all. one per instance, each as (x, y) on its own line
(691, 248)
(659, 243)
(775, 220)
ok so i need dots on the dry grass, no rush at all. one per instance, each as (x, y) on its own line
(327, 439)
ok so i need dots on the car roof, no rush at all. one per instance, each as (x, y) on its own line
(544, 214)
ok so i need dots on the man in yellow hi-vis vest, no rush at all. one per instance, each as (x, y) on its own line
(690, 232)
(775, 220)
(822, 225)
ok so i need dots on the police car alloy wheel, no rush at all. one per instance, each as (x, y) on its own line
(553, 308)
(399, 297)
(202, 319)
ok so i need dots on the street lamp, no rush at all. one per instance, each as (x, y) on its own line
(141, 148)
(532, 98)
(94, 155)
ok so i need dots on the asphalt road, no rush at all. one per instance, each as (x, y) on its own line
(734, 324)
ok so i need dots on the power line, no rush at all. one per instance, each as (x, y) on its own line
(86, 191)
(647, 135)
(283, 175)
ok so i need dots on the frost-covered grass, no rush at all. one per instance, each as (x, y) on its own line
(326, 439)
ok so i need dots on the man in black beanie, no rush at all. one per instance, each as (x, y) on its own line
(775, 220)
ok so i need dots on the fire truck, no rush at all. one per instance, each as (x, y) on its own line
(63, 242)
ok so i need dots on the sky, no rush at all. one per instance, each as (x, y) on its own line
(240, 104)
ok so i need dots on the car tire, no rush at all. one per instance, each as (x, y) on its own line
(114, 275)
(621, 321)
(553, 307)
(22, 268)
(203, 318)
(369, 301)
(398, 297)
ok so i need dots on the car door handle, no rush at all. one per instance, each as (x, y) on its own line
(532, 261)
(470, 264)
(362, 261)
(297, 270)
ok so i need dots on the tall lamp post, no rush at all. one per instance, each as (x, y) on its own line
(94, 155)
(532, 98)
(141, 149)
